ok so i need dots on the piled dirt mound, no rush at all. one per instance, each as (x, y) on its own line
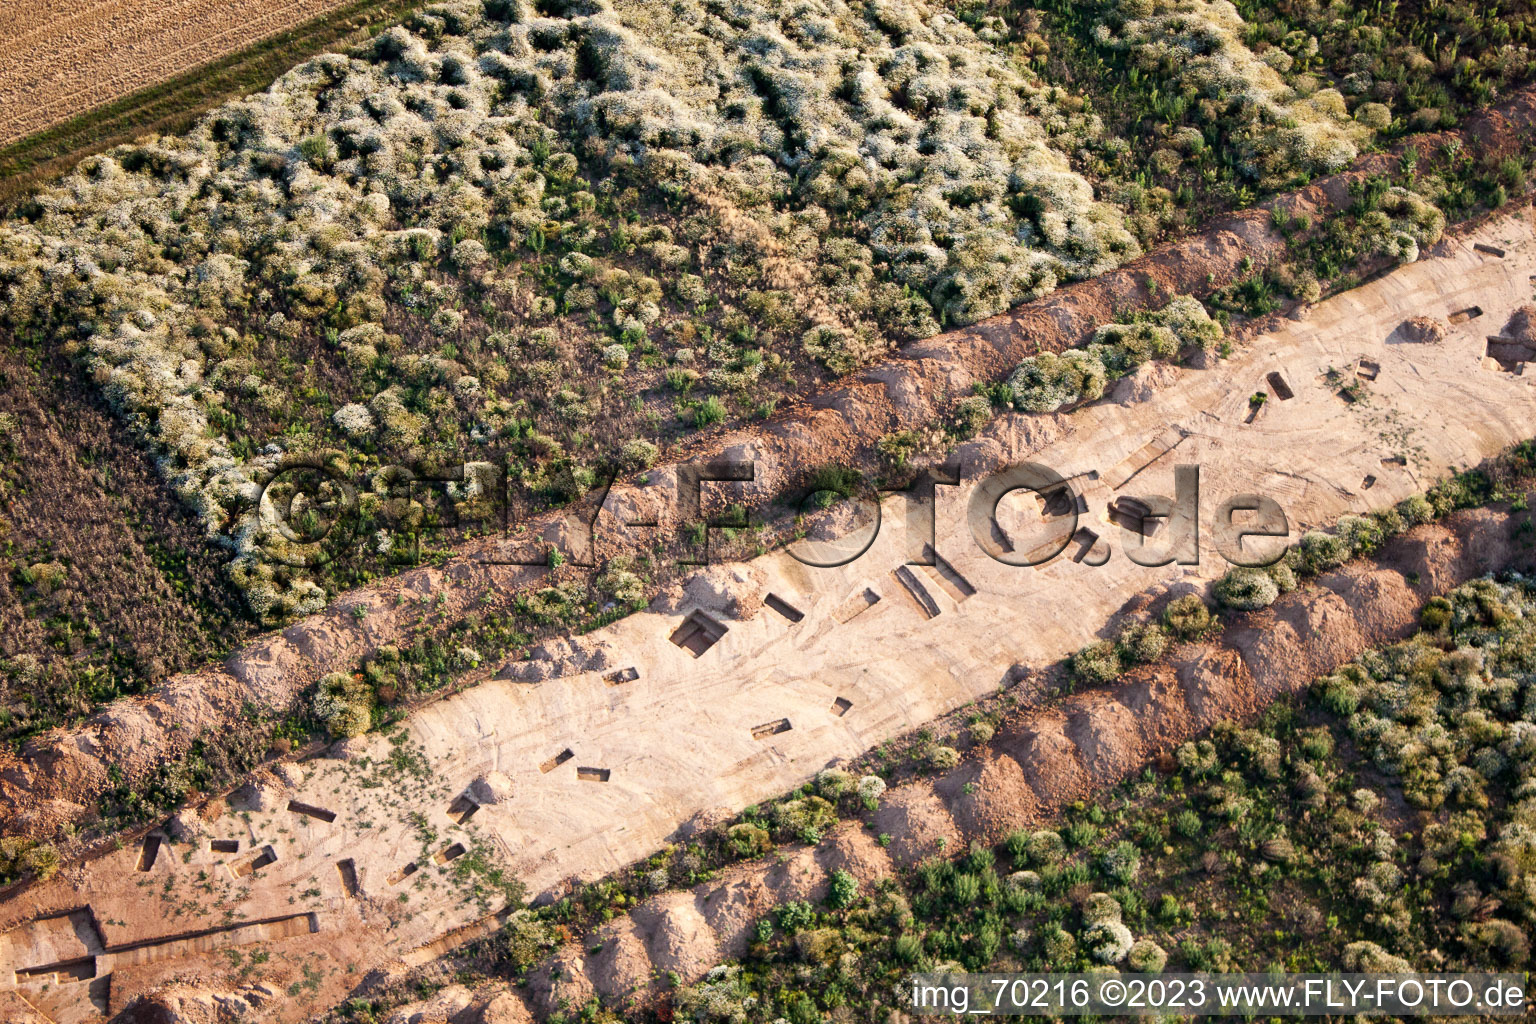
(1041, 760)
(1422, 330)
(1522, 326)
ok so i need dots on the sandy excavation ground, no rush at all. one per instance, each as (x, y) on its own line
(58, 59)
(756, 675)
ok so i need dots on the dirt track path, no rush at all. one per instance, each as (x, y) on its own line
(630, 734)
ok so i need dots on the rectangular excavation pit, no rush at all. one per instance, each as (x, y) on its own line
(1509, 354)
(1491, 250)
(783, 607)
(914, 586)
(311, 811)
(841, 706)
(773, 728)
(1143, 457)
(205, 940)
(1368, 482)
(346, 870)
(698, 633)
(404, 873)
(1367, 370)
(59, 974)
(1063, 501)
(1134, 515)
(1085, 539)
(622, 676)
(1278, 385)
(1395, 460)
(593, 774)
(556, 761)
(449, 853)
(1461, 316)
(268, 856)
(149, 852)
(947, 576)
(462, 809)
(224, 846)
(856, 605)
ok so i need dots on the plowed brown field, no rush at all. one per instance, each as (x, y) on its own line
(61, 57)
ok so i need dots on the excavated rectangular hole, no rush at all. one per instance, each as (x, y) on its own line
(593, 774)
(347, 870)
(449, 853)
(1085, 539)
(404, 873)
(841, 706)
(250, 867)
(698, 633)
(856, 605)
(919, 593)
(150, 851)
(1278, 385)
(1395, 460)
(783, 607)
(311, 811)
(462, 809)
(1368, 482)
(949, 577)
(762, 732)
(556, 761)
(83, 969)
(225, 846)
(1367, 370)
(1063, 501)
(622, 676)
(1491, 250)
(1461, 316)
(1134, 515)
(1508, 353)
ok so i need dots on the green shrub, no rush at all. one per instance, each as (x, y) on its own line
(344, 705)
(1097, 663)
(1187, 617)
(972, 414)
(1323, 551)
(794, 916)
(842, 890)
(942, 758)
(748, 840)
(1146, 956)
(709, 412)
(1142, 644)
(1246, 589)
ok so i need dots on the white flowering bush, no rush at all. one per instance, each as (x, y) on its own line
(1278, 131)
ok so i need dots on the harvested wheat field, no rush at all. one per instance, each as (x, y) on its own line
(61, 59)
